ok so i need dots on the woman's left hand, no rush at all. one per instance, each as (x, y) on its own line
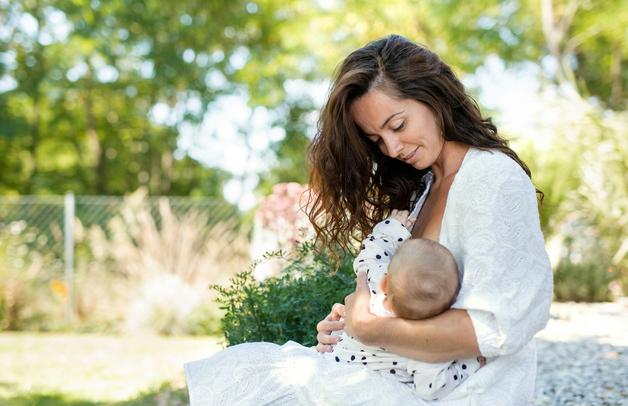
(358, 318)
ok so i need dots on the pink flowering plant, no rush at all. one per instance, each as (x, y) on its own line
(283, 215)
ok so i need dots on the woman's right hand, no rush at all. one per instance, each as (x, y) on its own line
(333, 322)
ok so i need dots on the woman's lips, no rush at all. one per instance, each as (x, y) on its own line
(407, 159)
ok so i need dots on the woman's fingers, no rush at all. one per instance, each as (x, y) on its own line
(327, 326)
(337, 311)
(333, 322)
(324, 348)
(326, 341)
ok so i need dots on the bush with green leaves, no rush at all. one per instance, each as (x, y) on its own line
(583, 282)
(288, 306)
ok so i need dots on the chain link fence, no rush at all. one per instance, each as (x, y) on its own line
(54, 244)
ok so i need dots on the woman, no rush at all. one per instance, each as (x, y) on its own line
(395, 113)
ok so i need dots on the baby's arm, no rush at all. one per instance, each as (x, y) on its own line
(378, 248)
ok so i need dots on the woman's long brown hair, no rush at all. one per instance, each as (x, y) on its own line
(353, 184)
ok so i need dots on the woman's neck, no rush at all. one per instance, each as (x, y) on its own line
(449, 161)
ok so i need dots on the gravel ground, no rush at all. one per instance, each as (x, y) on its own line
(583, 357)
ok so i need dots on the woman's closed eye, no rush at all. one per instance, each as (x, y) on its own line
(400, 127)
(378, 140)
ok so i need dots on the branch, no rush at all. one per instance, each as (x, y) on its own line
(555, 29)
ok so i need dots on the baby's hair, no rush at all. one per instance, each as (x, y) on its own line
(423, 279)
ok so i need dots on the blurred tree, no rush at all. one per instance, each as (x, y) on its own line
(101, 89)
(569, 39)
(585, 56)
(290, 151)
(585, 40)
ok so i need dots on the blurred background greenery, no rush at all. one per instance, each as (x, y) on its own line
(217, 101)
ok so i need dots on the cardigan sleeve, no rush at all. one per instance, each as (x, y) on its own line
(506, 275)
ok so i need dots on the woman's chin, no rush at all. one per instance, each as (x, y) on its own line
(419, 165)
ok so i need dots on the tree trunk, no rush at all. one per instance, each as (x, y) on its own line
(94, 146)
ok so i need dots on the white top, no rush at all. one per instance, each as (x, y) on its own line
(491, 226)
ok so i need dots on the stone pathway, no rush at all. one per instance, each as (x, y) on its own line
(583, 355)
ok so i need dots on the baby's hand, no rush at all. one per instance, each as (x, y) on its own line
(402, 217)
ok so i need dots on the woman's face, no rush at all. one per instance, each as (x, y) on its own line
(403, 129)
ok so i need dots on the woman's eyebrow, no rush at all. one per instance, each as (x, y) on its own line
(389, 118)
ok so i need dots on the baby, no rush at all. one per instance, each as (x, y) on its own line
(419, 281)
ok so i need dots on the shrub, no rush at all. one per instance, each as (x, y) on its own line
(287, 306)
(583, 282)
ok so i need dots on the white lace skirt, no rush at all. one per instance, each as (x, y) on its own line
(291, 374)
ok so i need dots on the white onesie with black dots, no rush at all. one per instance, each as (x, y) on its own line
(430, 380)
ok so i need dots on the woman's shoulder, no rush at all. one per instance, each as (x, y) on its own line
(492, 166)
(485, 174)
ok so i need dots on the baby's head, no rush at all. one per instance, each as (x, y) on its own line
(422, 280)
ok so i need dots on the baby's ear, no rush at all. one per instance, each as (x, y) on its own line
(383, 285)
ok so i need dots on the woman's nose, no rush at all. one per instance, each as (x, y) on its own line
(393, 146)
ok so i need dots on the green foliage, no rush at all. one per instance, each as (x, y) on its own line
(583, 282)
(556, 175)
(79, 116)
(76, 107)
(286, 307)
(206, 320)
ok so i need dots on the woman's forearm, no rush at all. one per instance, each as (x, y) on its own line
(445, 337)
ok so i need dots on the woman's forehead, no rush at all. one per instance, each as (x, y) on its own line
(374, 109)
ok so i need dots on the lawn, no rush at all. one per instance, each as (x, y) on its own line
(71, 369)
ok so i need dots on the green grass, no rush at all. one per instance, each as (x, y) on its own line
(71, 369)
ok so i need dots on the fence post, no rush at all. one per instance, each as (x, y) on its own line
(68, 245)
